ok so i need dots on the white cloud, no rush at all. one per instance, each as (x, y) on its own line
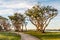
(6, 12)
(8, 9)
(16, 5)
(20, 5)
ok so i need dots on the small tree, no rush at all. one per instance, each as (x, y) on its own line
(18, 21)
(40, 16)
(4, 23)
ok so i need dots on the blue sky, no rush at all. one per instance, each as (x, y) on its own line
(9, 7)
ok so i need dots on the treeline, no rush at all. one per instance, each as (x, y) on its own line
(39, 16)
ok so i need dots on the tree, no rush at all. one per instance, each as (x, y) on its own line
(40, 16)
(4, 23)
(18, 21)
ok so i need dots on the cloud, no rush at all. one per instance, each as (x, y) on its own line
(12, 6)
(19, 5)
(6, 12)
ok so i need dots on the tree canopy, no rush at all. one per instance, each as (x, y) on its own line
(4, 23)
(40, 16)
(17, 20)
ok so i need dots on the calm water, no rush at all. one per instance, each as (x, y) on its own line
(52, 31)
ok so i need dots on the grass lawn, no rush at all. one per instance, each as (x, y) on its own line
(45, 36)
(9, 36)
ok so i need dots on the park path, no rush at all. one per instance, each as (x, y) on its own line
(27, 37)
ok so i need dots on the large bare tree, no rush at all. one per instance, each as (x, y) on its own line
(40, 16)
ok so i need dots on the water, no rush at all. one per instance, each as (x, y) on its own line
(52, 31)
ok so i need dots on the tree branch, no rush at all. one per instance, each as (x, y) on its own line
(47, 23)
(32, 22)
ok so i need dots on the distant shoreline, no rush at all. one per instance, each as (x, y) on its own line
(52, 30)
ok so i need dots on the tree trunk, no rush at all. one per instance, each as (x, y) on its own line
(22, 27)
(39, 27)
(17, 29)
(25, 27)
(43, 31)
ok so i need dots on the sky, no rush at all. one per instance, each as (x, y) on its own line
(9, 7)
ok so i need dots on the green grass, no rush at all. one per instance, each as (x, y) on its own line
(45, 36)
(9, 36)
